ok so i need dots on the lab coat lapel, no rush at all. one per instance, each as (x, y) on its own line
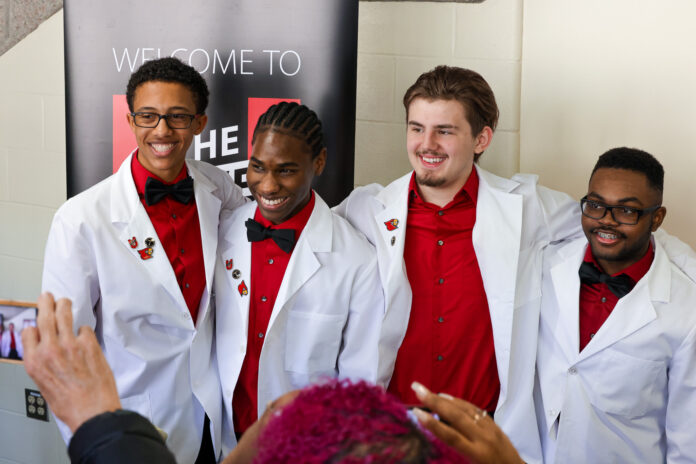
(565, 317)
(208, 206)
(129, 217)
(394, 197)
(236, 256)
(496, 239)
(315, 238)
(636, 309)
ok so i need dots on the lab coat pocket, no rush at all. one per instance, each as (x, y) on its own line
(312, 343)
(138, 403)
(625, 385)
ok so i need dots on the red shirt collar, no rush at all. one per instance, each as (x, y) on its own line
(296, 222)
(635, 271)
(469, 189)
(140, 174)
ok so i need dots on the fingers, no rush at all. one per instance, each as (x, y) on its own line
(458, 413)
(445, 433)
(64, 319)
(45, 319)
(30, 341)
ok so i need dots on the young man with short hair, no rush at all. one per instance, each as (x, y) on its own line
(617, 341)
(300, 300)
(457, 248)
(136, 252)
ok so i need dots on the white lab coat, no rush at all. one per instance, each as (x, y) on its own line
(327, 315)
(6, 342)
(164, 364)
(515, 219)
(630, 394)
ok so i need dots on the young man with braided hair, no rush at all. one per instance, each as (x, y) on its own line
(136, 253)
(301, 299)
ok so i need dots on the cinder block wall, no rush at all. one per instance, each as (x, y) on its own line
(397, 41)
(32, 154)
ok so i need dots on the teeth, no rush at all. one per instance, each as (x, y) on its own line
(272, 201)
(433, 160)
(607, 236)
(162, 147)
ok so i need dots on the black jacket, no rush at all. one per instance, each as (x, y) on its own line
(117, 438)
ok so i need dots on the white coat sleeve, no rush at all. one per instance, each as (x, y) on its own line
(561, 214)
(359, 355)
(70, 270)
(233, 195)
(680, 421)
(679, 253)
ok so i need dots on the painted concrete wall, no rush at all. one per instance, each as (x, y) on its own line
(601, 74)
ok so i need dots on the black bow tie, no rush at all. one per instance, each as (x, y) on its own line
(620, 285)
(155, 191)
(284, 238)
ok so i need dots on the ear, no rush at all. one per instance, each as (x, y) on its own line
(657, 218)
(131, 122)
(200, 122)
(319, 162)
(483, 140)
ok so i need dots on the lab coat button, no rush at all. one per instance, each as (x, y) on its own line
(440, 358)
(572, 371)
(270, 261)
(264, 299)
(604, 299)
(440, 319)
(440, 242)
(441, 281)
(260, 334)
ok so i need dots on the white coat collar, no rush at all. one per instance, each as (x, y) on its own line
(496, 238)
(631, 313)
(316, 237)
(129, 216)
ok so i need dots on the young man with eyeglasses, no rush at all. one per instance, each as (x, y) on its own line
(136, 253)
(616, 359)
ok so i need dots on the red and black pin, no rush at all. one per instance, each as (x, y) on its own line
(243, 290)
(392, 224)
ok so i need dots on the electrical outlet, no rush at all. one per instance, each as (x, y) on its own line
(36, 405)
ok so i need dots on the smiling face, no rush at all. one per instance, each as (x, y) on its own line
(616, 246)
(280, 174)
(162, 150)
(441, 146)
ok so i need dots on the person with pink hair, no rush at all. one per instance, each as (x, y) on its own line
(340, 421)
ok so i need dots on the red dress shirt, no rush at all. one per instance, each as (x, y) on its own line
(268, 262)
(597, 301)
(179, 232)
(449, 341)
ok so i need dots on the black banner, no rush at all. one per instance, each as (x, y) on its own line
(252, 53)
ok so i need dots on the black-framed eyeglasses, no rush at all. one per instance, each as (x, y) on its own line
(174, 121)
(621, 214)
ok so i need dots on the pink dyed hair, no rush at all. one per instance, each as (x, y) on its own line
(344, 422)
